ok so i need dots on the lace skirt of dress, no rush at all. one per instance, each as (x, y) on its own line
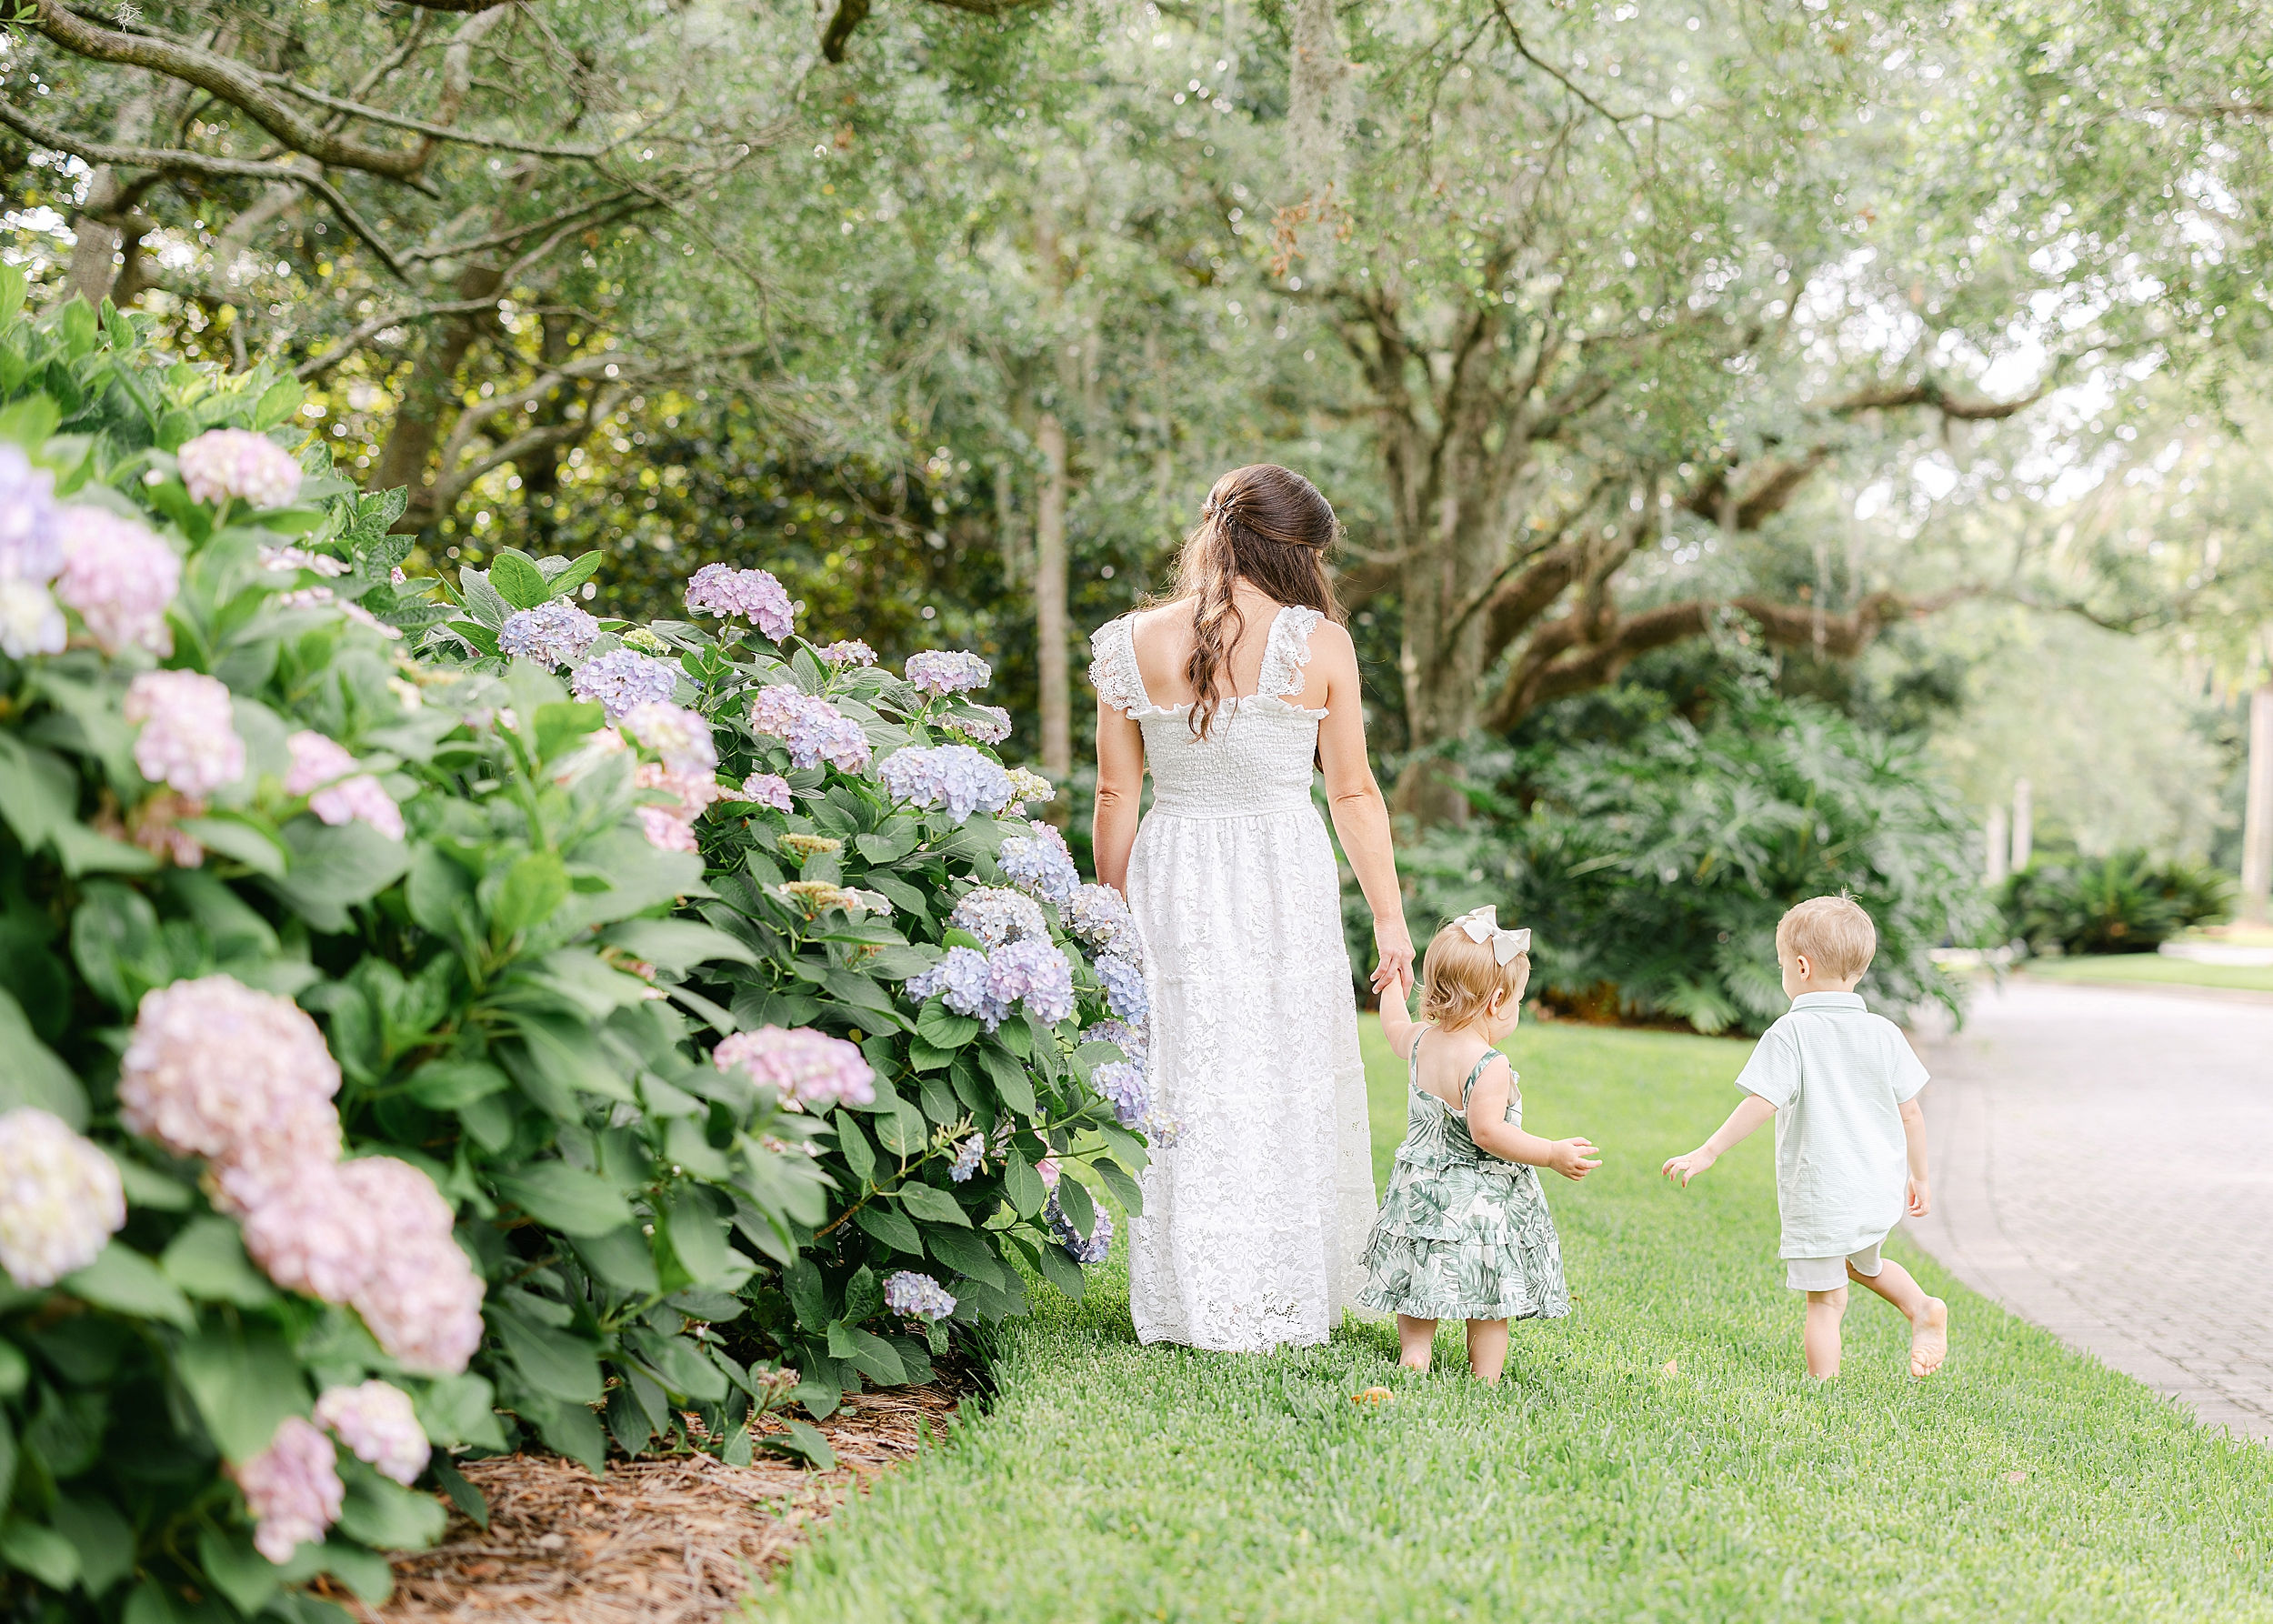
(1255, 1219)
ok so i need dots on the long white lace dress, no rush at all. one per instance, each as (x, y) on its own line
(1256, 1217)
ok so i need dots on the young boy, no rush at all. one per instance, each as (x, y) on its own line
(1841, 1085)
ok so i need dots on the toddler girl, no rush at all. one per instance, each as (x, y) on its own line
(1464, 1232)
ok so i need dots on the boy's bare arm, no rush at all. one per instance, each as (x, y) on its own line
(1742, 1124)
(1914, 1141)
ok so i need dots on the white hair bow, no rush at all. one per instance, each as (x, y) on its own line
(1482, 924)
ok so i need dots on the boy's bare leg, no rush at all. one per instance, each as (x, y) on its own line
(1488, 1349)
(1416, 1340)
(1821, 1340)
(1928, 1316)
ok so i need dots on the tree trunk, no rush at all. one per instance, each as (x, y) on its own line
(97, 228)
(2024, 824)
(2257, 821)
(429, 393)
(1049, 610)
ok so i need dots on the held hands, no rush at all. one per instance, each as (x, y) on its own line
(1393, 949)
(1570, 1157)
(1920, 1206)
(1686, 1168)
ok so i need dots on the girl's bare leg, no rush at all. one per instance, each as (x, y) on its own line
(1417, 1340)
(1488, 1349)
(1821, 1342)
(1928, 1316)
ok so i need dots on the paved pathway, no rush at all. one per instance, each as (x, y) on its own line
(2103, 1166)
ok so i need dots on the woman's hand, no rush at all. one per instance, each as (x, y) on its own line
(1393, 954)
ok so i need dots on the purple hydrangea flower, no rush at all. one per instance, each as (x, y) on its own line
(947, 671)
(995, 914)
(850, 651)
(956, 776)
(1123, 986)
(1095, 1248)
(988, 724)
(31, 526)
(553, 634)
(621, 681)
(1035, 973)
(1123, 1085)
(753, 594)
(1120, 1034)
(1040, 865)
(680, 736)
(236, 462)
(969, 1156)
(962, 982)
(814, 729)
(1097, 917)
(916, 1297)
(120, 577)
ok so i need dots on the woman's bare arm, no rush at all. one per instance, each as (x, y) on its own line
(1120, 785)
(1361, 817)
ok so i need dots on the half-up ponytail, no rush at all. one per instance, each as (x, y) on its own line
(1271, 527)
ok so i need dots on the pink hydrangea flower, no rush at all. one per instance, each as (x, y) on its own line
(672, 828)
(753, 594)
(120, 577)
(377, 1421)
(342, 799)
(311, 1235)
(807, 1068)
(666, 831)
(1047, 1168)
(60, 1199)
(850, 651)
(188, 738)
(218, 1071)
(236, 462)
(424, 1304)
(768, 790)
(675, 733)
(30, 623)
(292, 1489)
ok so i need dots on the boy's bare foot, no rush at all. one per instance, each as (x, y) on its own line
(1929, 1339)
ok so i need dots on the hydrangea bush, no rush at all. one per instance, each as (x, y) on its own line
(359, 1107)
(922, 977)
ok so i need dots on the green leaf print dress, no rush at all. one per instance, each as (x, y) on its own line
(1461, 1235)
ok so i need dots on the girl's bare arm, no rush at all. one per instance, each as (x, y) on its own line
(1489, 1127)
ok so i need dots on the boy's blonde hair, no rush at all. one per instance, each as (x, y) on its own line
(1835, 934)
(1458, 978)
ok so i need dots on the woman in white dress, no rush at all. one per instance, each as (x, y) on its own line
(1254, 1218)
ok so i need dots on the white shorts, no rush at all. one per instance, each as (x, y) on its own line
(1828, 1274)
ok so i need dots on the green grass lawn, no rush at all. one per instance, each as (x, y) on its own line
(1108, 1482)
(2149, 969)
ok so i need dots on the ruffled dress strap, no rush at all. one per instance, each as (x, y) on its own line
(1286, 652)
(1476, 1071)
(1113, 667)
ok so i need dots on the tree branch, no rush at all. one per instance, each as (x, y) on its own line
(174, 161)
(229, 80)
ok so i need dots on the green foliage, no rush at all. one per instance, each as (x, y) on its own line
(2126, 902)
(1654, 872)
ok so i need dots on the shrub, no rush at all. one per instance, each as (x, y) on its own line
(2128, 902)
(365, 1101)
(1654, 873)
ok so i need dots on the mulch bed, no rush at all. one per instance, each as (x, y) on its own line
(662, 1541)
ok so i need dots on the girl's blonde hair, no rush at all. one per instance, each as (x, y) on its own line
(1459, 978)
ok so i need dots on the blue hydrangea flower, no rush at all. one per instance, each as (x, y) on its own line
(553, 634)
(1125, 990)
(814, 729)
(1034, 972)
(620, 679)
(1122, 1086)
(956, 776)
(988, 724)
(1095, 1248)
(31, 526)
(1097, 917)
(996, 915)
(916, 1297)
(1040, 865)
(961, 981)
(947, 671)
(968, 1157)
(1119, 1034)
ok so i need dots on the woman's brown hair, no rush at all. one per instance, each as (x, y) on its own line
(1271, 527)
